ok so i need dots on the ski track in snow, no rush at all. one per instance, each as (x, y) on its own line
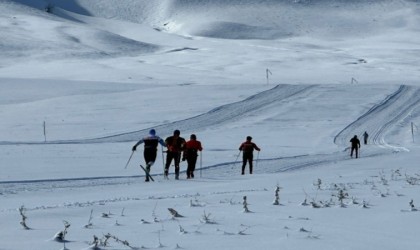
(379, 121)
(381, 118)
(223, 114)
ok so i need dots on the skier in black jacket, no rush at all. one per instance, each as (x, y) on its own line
(365, 137)
(355, 145)
(176, 146)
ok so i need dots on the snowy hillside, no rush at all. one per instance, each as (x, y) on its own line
(326, 41)
(83, 80)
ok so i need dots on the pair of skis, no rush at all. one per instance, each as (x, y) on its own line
(148, 176)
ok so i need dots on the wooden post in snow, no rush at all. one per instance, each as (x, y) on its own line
(267, 73)
(45, 132)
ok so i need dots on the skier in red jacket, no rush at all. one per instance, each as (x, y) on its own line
(247, 148)
(190, 154)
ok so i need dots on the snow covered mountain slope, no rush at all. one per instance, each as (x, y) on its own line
(370, 41)
(241, 19)
(82, 80)
(139, 53)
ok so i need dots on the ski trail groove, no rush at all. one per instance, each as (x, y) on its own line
(214, 117)
(378, 121)
(381, 118)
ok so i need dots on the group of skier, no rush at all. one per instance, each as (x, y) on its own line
(179, 149)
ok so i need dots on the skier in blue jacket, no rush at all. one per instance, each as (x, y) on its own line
(151, 143)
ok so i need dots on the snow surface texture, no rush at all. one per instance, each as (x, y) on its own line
(82, 81)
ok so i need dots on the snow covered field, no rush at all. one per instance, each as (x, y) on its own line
(300, 77)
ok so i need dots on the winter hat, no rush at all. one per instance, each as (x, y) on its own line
(248, 138)
(193, 137)
(177, 132)
(152, 132)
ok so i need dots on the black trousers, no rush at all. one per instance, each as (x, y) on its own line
(247, 157)
(149, 155)
(176, 157)
(191, 160)
(354, 149)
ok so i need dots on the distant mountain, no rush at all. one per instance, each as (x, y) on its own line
(248, 19)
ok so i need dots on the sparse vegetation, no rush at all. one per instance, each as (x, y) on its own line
(61, 235)
(89, 224)
(104, 241)
(24, 217)
(277, 196)
(174, 213)
(245, 205)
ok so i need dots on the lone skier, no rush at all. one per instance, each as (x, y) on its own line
(355, 145)
(365, 137)
(190, 154)
(175, 145)
(151, 143)
(247, 148)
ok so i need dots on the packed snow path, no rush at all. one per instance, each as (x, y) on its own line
(380, 120)
(220, 115)
(383, 118)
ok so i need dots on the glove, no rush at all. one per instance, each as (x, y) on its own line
(183, 158)
(134, 148)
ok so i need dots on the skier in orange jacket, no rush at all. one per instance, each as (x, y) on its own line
(190, 154)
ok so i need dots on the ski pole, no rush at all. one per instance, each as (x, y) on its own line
(163, 159)
(201, 163)
(256, 162)
(129, 159)
(234, 164)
